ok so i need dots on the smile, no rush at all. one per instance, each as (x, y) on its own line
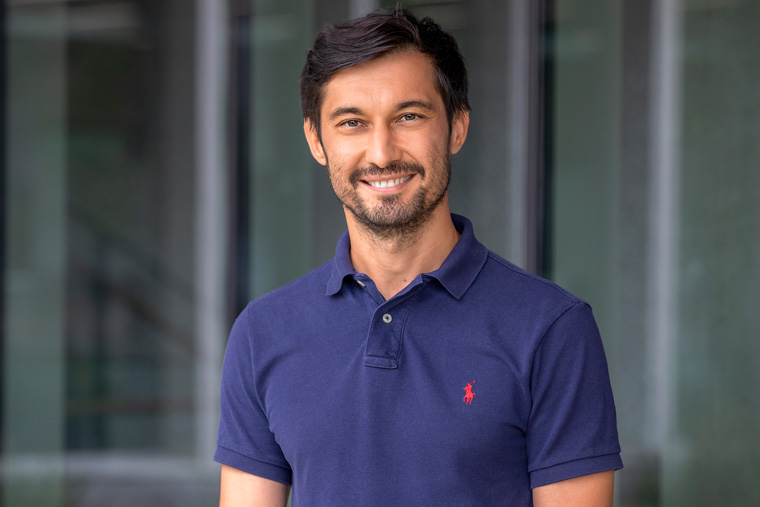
(388, 183)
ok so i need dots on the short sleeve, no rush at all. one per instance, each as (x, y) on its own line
(245, 441)
(572, 429)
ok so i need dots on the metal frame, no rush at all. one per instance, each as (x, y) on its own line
(211, 217)
(3, 200)
(531, 65)
(240, 122)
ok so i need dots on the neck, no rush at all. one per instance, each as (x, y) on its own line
(393, 262)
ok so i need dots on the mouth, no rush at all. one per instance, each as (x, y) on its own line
(389, 183)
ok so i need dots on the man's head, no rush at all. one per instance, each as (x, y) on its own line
(375, 35)
(385, 105)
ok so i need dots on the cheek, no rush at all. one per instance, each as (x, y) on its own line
(337, 163)
(437, 153)
(339, 170)
(430, 143)
(343, 153)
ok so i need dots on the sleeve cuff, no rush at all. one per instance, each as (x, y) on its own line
(253, 466)
(573, 469)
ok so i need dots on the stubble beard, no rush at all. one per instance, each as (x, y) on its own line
(393, 220)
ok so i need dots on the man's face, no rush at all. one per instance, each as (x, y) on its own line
(385, 139)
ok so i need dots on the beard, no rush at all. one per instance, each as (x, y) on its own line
(396, 217)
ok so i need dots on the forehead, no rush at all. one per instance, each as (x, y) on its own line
(383, 82)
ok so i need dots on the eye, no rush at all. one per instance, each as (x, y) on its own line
(410, 117)
(352, 124)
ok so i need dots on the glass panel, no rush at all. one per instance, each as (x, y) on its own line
(34, 398)
(282, 173)
(102, 398)
(656, 223)
(716, 409)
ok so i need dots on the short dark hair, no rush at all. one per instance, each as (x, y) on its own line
(372, 36)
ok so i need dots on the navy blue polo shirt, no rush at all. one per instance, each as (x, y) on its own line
(471, 386)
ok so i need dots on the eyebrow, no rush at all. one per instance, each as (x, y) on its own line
(416, 103)
(342, 111)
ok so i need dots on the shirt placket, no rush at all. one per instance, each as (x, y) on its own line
(385, 336)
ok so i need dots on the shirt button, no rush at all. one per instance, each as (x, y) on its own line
(387, 318)
(360, 283)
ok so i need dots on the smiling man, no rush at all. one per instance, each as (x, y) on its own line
(416, 367)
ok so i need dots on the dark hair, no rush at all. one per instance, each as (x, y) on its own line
(372, 36)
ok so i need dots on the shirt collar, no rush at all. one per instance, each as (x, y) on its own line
(456, 274)
(461, 267)
(341, 266)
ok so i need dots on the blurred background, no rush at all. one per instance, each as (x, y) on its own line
(154, 178)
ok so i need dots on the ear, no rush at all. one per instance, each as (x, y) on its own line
(315, 145)
(459, 125)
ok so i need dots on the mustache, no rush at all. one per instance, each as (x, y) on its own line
(391, 169)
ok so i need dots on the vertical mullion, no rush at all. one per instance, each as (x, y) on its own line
(531, 138)
(3, 77)
(519, 113)
(544, 167)
(663, 218)
(240, 178)
(211, 218)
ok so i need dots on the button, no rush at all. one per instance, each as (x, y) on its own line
(387, 318)
(360, 283)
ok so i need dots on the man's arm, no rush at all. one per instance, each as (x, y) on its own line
(593, 490)
(241, 489)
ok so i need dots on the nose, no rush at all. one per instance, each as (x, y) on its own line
(382, 148)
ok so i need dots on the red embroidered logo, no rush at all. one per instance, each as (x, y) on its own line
(468, 394)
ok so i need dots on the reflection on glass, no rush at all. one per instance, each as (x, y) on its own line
(130, 341)
(100, 394)
(656, 225)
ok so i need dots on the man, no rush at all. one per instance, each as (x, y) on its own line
(415, 368)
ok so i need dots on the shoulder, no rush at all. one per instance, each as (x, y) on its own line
(283, 304)
(266, 320)
(506, 282)
(301, 290)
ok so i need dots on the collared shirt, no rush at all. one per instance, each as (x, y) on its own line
(474, 384)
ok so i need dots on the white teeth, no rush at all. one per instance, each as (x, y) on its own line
(388, 183)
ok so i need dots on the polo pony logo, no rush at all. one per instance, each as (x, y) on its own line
(468, 394)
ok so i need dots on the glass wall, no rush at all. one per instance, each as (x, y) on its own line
(655, 223)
